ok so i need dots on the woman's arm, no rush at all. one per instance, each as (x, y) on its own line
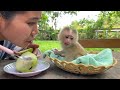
(6, 50)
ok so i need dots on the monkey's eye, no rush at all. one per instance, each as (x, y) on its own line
(66, 37)
(71, 38)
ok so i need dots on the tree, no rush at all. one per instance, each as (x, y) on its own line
(53, 15)
(43, 22)
(76, 25)
(109, 19)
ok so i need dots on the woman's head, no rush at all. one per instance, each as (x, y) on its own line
(19, 27)
(9, 14)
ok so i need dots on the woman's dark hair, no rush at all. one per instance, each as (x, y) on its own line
(9, 14)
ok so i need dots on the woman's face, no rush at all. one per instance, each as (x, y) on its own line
(22, 29)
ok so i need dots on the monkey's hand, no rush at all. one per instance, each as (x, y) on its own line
(62, 55)
(58, 52)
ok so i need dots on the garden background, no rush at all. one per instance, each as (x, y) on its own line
(107, 26)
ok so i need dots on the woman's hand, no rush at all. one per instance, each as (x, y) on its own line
(35, 51)
(35, 48)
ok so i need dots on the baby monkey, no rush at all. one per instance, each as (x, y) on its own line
(71, 49)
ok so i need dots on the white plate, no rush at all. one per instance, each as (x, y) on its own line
(42, 65)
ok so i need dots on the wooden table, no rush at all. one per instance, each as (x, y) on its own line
(56, 73)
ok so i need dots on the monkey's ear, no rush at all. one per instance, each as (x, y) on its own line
(76, 34)
(58, 36)
(75, 31)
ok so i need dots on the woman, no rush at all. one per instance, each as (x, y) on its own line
(18, 28)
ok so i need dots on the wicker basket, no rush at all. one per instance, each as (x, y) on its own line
(81, 68)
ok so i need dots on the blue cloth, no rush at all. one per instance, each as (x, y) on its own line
(103, 58)
(51, 54)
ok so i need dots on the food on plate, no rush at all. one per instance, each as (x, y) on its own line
(26, 62)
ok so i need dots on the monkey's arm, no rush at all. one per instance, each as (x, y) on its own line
(82, 50)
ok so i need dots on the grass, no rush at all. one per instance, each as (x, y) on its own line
(48, 45)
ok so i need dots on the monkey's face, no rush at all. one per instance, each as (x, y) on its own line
(68, 39)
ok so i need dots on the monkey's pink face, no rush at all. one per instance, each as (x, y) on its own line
(68, 38)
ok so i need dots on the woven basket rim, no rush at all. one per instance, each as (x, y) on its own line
(114, 63)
